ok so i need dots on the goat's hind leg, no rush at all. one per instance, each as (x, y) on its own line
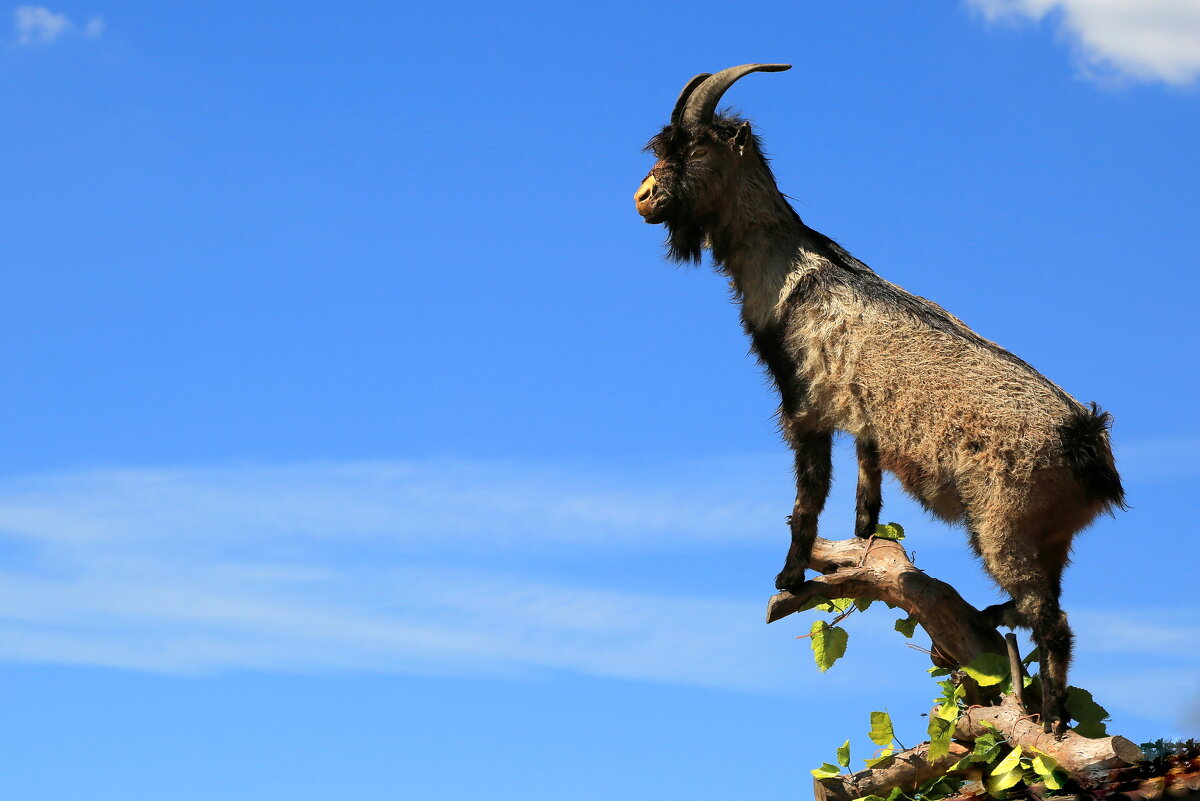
(1013, 559)
(869, 495)
(1041, 611)
(813, 470)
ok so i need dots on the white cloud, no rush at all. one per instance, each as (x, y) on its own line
(38, 25)
(1148, 40)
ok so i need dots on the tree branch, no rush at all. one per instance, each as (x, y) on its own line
(881, 570)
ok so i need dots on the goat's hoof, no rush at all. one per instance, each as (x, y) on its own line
(1054, 720)
(789, 580)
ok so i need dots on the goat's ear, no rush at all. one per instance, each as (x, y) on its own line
(741, 138)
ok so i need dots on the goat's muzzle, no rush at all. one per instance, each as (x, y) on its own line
(647, 199)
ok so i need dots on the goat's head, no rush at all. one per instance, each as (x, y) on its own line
(699, 159)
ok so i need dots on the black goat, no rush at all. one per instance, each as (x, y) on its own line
(972, 431)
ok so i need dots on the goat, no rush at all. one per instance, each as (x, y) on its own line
(971, 431)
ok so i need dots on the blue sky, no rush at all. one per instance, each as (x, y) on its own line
(360, 445)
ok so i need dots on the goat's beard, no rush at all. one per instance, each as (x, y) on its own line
(685, 236)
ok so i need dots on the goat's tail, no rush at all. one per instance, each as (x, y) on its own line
(1086, 448)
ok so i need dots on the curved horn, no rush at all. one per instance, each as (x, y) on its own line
(703, 101)
(685, 94)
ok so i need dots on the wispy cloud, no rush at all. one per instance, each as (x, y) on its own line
(428, 566)
(1147, 40)
(38, 25)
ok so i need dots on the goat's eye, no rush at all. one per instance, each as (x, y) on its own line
(697, 152)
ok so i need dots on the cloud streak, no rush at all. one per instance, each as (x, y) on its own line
(1145, 40)
(38, 25)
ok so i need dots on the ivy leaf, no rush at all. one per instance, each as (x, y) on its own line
(826, 771)
(896, 794)
(828, 644)
(881, 729)
(1083, 708)
(884, 757)
(863, 604)
(988, 669)
(907, 626)
(843, 755)
(889, 531)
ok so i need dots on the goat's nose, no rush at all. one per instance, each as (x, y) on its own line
(644, 193)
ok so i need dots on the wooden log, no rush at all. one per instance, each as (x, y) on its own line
(1090, 760)
(906, 769)
(880, 569)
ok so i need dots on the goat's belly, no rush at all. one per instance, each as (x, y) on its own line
(937, 492)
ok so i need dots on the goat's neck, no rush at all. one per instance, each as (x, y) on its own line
(759, 243)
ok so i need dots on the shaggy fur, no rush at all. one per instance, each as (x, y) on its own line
(970, 430)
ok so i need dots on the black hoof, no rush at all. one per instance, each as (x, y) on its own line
(789, 579)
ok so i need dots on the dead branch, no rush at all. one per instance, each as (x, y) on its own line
(1090, 760)
(906, 769)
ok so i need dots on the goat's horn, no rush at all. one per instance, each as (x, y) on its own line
(685, 94)
(703, 100)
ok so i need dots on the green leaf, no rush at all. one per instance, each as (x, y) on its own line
(871, 797)
(1090, 730)
(828, 644)
(1030, 658)
(884, 757)
(827, 771)
(1045, 766)
(881, 729)
(842, 604)
(988, 669)
(939, 787)
(896, 794)
(907, 626)
(889, 531)
(816, 602)
(1083, 708)
(999, 782)
(1009, 762)
(948, 708)
(940, 732)
(843, 755)
(986, 749)
(863, 604)
(1008, 773)
(939, 671)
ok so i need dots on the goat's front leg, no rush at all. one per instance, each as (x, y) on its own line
(813, 468)
(869, 496)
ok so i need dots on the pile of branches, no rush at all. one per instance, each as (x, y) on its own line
(985, 739)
